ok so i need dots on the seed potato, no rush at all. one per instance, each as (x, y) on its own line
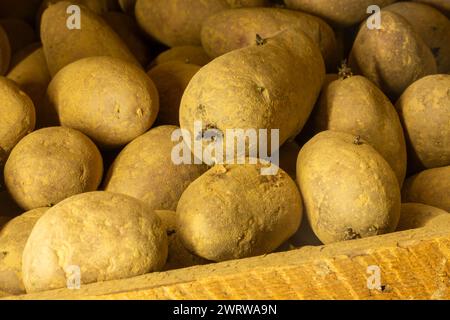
(187, 54)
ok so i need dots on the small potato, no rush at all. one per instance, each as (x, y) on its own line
(424, 109)
(431, 187)
(13, 237)
(349, 190)
(393, 57)
(171, 80)
(108, 99)
(187, 54)
(50, 165)
(5, 51)
(20, 34)
(417, 215)
(233, 212)
(145, 170)
(442, 5)
(105, 236)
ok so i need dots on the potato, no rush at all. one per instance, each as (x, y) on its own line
(442, 5)
(13, 238)
(107, 236)
(349, 190)
(171, 80)
(431, 187)
(417, 215)
(18, 116)
(19, 9)
(233, 29)
(273, 85)
(5, 51)
(432, 26)
(145, 170)
(424, 109)
(108, 99)
(63, 46)
(178, 22)
(50, 165)
(233, 212)
(355, 105)
(20, 34)
(179, 257)
(187, 54)
(393, 57)
(343, 13)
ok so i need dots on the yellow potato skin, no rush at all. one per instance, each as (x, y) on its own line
(187, 54)
(424, 109)
(95, 38)
(108, 99)
(108, 236)
(355, 105)
(431, 187)
(145, 171)
(233, 212)
(442, 5)
(418, 215)
(5, 51)
(50, 165)
(349, 190)
(13, 237)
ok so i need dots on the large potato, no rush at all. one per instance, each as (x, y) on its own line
(431, 187)
(233, 29)
(5, 51)
(50, 165)
(355, 105)
(63, 46)
(233, 212)
(107, 236)
(425, 112)
(145, 170)
(393, 57)
(349, 190)
(187, 54)
(20, 34)
(442, 5)
(417, 215)
(110, 100)
(13, 237)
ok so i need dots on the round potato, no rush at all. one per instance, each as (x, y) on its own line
(20, 34)
(417, 215)
(145, 170)
(424, 109)
(50, 165)
(349, 190)
(187, 54)
(108, 99)
(13, 237)
(392, 57)
(98, 236)
(431, 187)
(171, 80)
(5, 51)
(233, 212)
(442, 5)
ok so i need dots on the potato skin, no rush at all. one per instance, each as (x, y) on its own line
(424, 109)
(50, 165)
(343, 13)
(144, 170)
(5, 51)
(109, 236)
(431, 187)
(355, 105)
(229, 30)
(393, 57)
(233, 212)
(187, 54)
(95, 38)
(13, 237)
(441, 5)
(417, 215)
(349, 190)
(118, 103)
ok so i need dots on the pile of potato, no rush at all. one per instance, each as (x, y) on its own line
(88, 115)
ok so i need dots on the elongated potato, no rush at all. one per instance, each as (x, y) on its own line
(118, 103)
(20, 34)
(355, 105)
(13, 237)
(417, 215)
(431, 187)
(393, 57)
(187, 54)
(63, 46)
(97, 236)
(234, 29)
(5, 51)
(145, 170)
(50, 165)
(349, 190)
(424, 109)
(273, 85)
(232, 212)
(442, 5)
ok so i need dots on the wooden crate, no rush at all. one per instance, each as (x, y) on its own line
(414, 264)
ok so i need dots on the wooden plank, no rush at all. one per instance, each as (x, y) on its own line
(414, 265)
